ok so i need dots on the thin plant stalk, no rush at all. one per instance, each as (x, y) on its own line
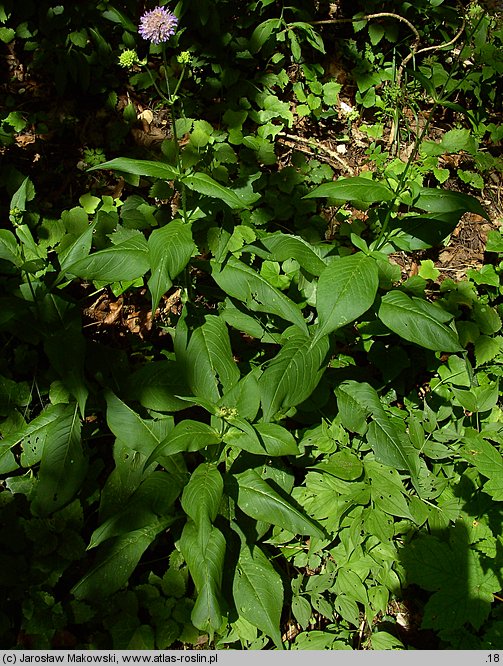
(382, 238)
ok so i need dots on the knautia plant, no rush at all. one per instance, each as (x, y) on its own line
(295, 426)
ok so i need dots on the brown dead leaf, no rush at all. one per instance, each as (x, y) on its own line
(24, 140)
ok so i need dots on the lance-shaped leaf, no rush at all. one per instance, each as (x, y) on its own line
(240, 281)
(204, 552)
(186, 436)
(264, 439)
(258, 591)
(125, 261)
(156, 386)
(66, 349)
(9, 248)
(77, 250)
(63, 466)
(170, 249)
(153, 499)
(353, 189)
(203, 493)
(293, 373)
(33, 436)
(142, 435)
(257, 499)
(436, 200)
(419, 321)
(205, 357)
(281, 247)
(204, 184)
(139, 168)
(116, 561)
(346, 289)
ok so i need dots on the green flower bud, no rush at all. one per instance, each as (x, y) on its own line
(184, 58)
(128, 58)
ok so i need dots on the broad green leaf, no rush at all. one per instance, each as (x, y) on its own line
(348, 582)
(244, 396)
(139, 168)
(418, 321)
(203, 493)
(7, 461)
(353, 189)
(486, 349)
(381, 640)
(293, 373)
(342, 464)
(25, 192)
(329, 497)
(487, 460)
(436, 200)
(170, 249)
(32, 436)
(346, 289)
(257, 499)
(186, 436)
(153, 499)
(205, 357)
(494, 242)
(263, 439)
(233, 314)
(348, 609)
(116, 561)
(142, 435)
(258, 591)
(9, 249)
(486, 318)
(283, 246)
(262, 33)
(122, 481)
(77, 250)
(387, 490)
(240, 281)
(66, 350)
(204, 552)
(125, 261)
(277, 441)
(422, 232)
(63, 466)
(353, 414)
(113, 14)
(461, 583)
(204, 184)
(391, 447)
(156, 384)
(479, 398)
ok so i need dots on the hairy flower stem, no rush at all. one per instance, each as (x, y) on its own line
(171, 100)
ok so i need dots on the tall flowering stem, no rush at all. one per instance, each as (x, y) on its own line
(157, 26)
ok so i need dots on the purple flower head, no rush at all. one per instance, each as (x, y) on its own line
(158, 25)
